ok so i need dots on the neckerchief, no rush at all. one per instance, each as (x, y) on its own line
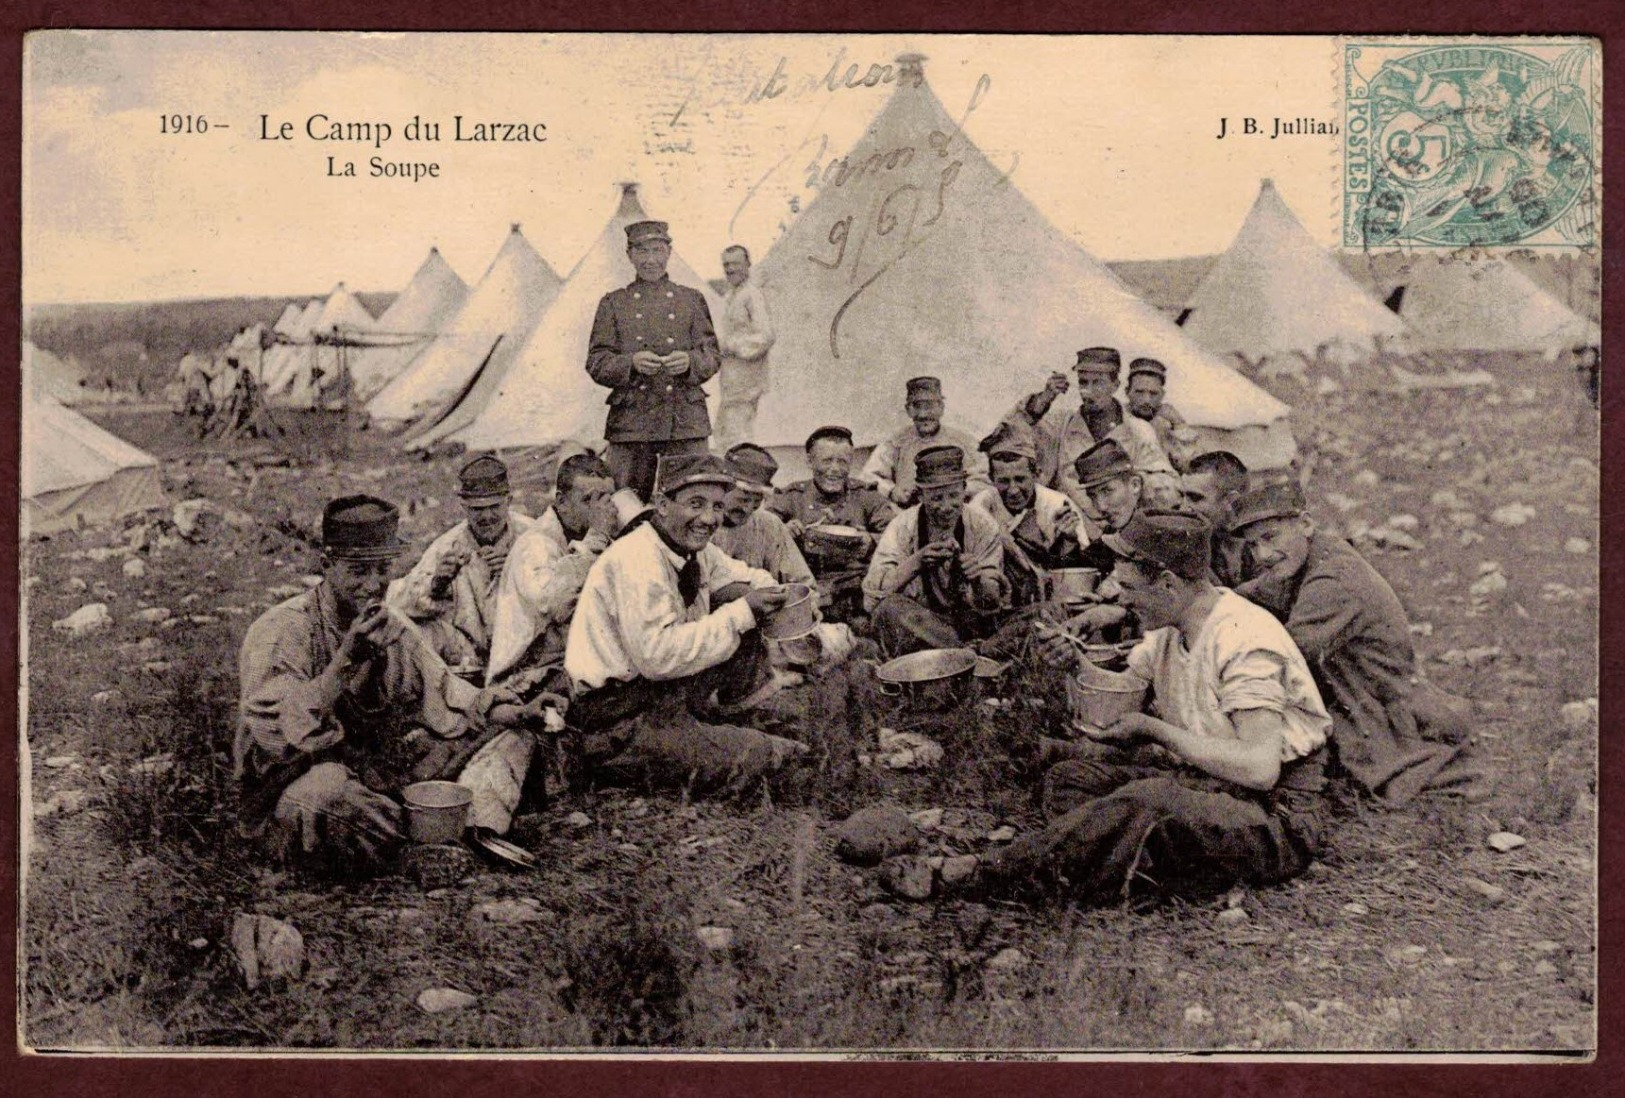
(689, 576)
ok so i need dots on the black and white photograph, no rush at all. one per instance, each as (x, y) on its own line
(818, 545)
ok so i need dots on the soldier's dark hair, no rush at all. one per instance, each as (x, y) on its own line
(829, 432)
(738, 249)
(1228, 471)
(585, 465)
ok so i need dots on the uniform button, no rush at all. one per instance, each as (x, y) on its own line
(637, 294)
(671, 340)
(668, 386)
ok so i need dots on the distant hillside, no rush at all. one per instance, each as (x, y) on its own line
(129, 341)
(1165, 284)
(1569, 277)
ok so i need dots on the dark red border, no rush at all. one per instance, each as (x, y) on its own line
(317, 1076)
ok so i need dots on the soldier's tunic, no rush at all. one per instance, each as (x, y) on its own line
(652, 414)
(1350, 625)
(746, 337)
(839, 571)
(537, 594)
(931, 609)
(1048, 535)
(1064, 434)
(1172, 434)
(319, 767)
(458, 625)
(891, 464)
(763, 542)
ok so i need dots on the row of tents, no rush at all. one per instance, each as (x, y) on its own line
(930, 262)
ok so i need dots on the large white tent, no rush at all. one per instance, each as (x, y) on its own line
(316, 377)
(75, 473)
(1484, 304)
(430, 300)
(547, 396)
(1276, 293)
(920, 256)
(500, 313)
(282, 362)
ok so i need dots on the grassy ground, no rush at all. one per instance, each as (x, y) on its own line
(1386, 945)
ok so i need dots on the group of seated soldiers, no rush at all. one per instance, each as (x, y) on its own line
(633, 630)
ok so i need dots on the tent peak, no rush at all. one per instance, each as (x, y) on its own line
(1266, 184)
(911, 65)
(630, 205)
(513, 227)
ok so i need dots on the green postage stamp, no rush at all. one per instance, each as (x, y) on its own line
(1472, 143)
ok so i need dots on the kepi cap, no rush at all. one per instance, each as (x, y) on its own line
(647, 230)
(361, 527)
(1102, 463)
(1177, 541)
(829, 432)
(1266, 500)
(1010, 440)
(1099, 359)
(1145, 365)
(923, 386)
(483, 480)
(752, 467)
(939, 465)
(673, 472)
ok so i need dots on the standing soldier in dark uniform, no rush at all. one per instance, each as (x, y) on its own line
(653, 345)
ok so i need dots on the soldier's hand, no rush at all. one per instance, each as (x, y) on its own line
(764, 601)
(1052, 648)
(1056, 385)
(358, 643)
(939, 551)
(677, 363)
(902, 497)
(795, 528)
(647, 363)
(1096, 618)
(603, 517)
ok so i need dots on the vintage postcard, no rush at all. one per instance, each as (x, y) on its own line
(836, 545)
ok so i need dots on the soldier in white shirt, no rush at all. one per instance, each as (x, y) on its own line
(664, 622)
(891, 464)
(745, 336)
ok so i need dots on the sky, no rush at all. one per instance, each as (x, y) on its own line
(1113, 138)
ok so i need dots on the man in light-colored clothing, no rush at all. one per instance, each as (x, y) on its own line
(665, 622)
(749, 532)
(451, 592)
(1147, 383)
(546, 570)
(891, 464)
(937, 577)
(1063, 435)
(745, 338)
(1223, 784)
(343, 704)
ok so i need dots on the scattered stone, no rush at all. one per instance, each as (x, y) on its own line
(1492, 893)
(1367, 478)
(1503, 841)
(1342, 502)
(70, 801)
(507, 912)
(199, 943)
(1356, 909)
(1001, 834)
(102, 554)
(907, 877)
(1424, 629)
(203, 618)
(1404, 522)
(310, 581)
(1410, 954)
(1472, 657)
(1196, 1014)
(1547, 946)
(578, 820)
(87, 620)
(1545, 968)
(1464, 520)
(929, 819)
(438, 1000)
(904, 750)
(154, 615)
(1233, 916)
(1395, 539)
(1515, 515)
(157, 667)
(1448, 499)
(872, 834)
(718, 939)
(188, 516)
(190, 599)
(1580, 716)
(62, 761)
(106, 696)
(266, 949)
(955, 869)
(76, 584)
(1006, 959)
(1488, 585)
(155, 766)
(1574, 545)
(135, 568)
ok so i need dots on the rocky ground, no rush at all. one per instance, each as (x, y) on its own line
(655, 921)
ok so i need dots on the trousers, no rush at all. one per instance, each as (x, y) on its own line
(632, 463)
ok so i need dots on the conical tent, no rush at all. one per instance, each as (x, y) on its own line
(500, 312)
(75, 473)
(919, 256)
(280, 364)
(1484, 304)
(317, 375)
(290, 315)
(418, 314)
(1276, 293)
(49, 374)
(547, 396)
